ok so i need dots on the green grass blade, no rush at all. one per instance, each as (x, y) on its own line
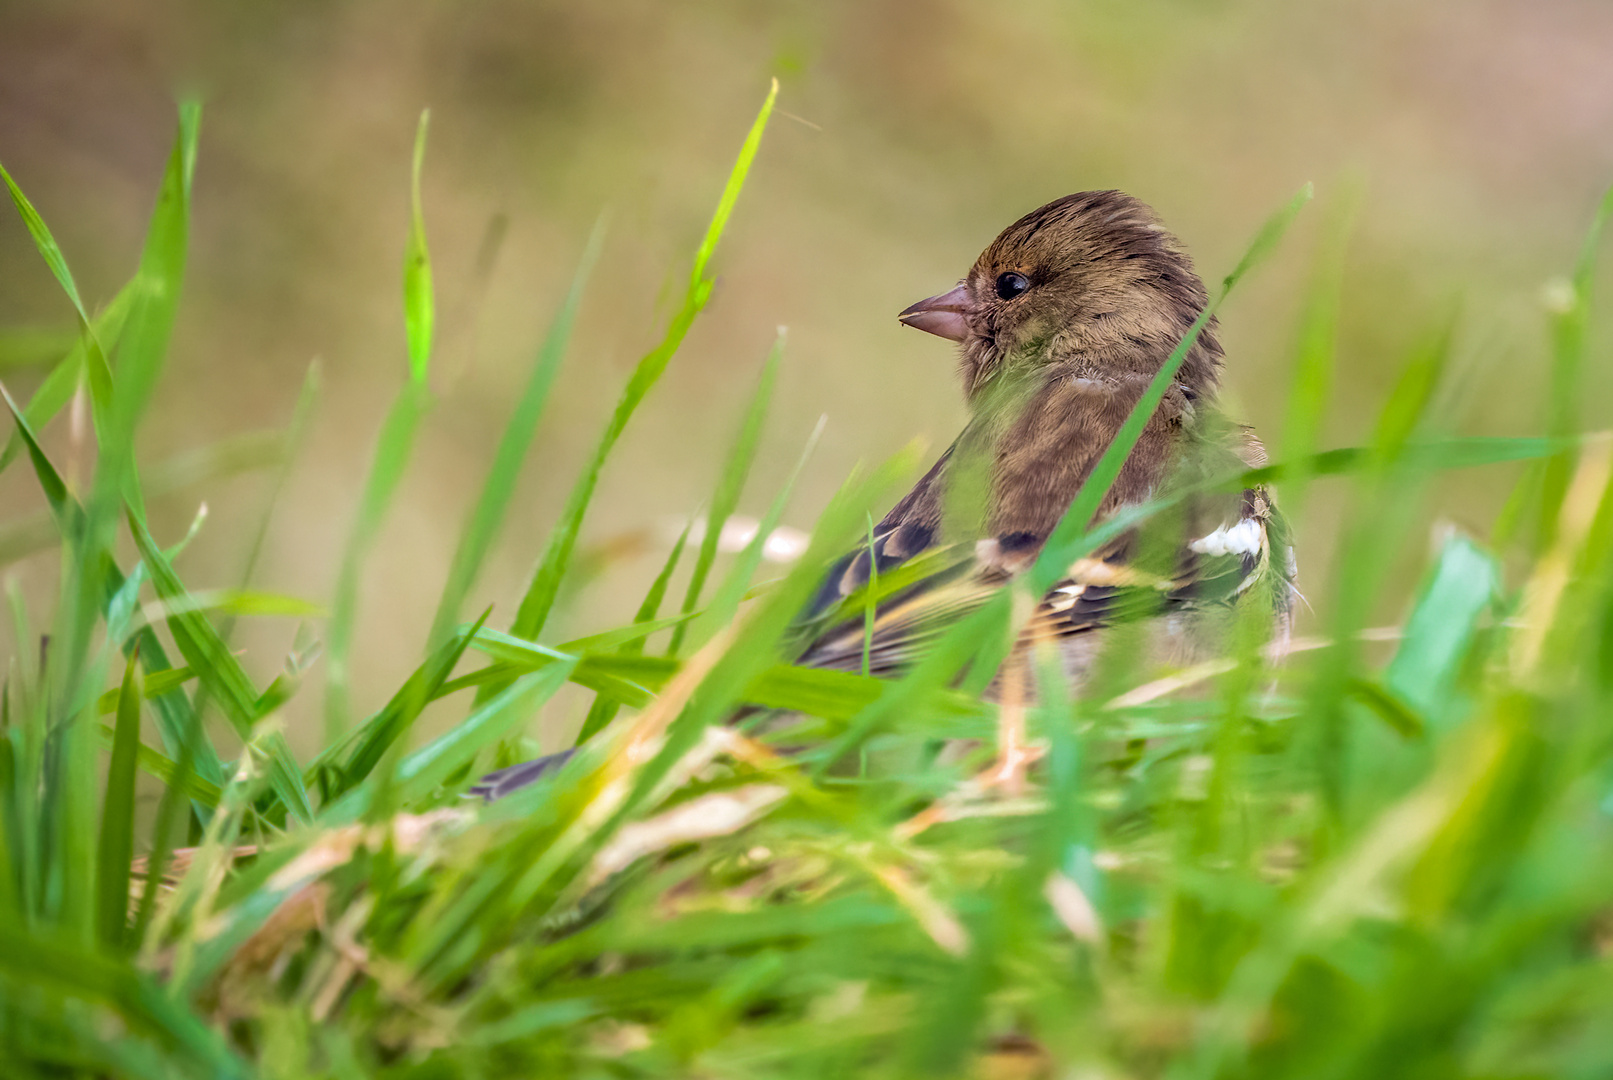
(115, 852)
(731, 190)
(57, 388)
(1462, 586)
(551, 569)
(181, 783)
(488, 516)
(1387, 498)
(725, 602)
(731, 483)
(649, 608)
(426, 768)
(62, 505)
(392, 451)
(432, 764)
(100, 373)
(203, 651)
(161, 766)
(393, 722)
(149, 325)
(177, 722)
(161, 682)
(220, 672)
(419, 304)
(757, 649)
(603, 710)
(629, 639)
(140, 355)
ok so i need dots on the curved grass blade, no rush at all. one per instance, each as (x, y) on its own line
(603, 710)
(392, 451)
(146, 332)
(63, 507)
(115, 852)
(393, 722)
(426, 768)
(545, 585)
(160, 765)
(99, 371)
(220, 672)
(57, 388)
(725, 602)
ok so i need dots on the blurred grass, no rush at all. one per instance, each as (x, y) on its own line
(1373, 859)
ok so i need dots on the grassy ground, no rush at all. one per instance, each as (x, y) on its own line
(1387, 856)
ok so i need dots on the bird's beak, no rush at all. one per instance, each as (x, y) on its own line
(945, 316)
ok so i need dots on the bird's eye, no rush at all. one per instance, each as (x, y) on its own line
(1010, 285)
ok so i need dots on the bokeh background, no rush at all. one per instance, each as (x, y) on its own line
(1478, 133)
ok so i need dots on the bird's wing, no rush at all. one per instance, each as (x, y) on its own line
(915, 601)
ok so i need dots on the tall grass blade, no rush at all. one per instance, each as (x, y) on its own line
(393, 722)
(220, 672)
(392, 452)
(116, 849)
(144, 342)
(757, 649)
(99, 371)
(603, 710)
(58, 387)
(1462, 586)
(551, 569)
(726, 600)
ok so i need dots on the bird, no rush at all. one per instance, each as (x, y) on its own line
(1060, 325)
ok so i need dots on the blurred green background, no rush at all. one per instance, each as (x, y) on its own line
(1478, 132)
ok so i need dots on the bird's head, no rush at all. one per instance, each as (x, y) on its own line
(1092, 280)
